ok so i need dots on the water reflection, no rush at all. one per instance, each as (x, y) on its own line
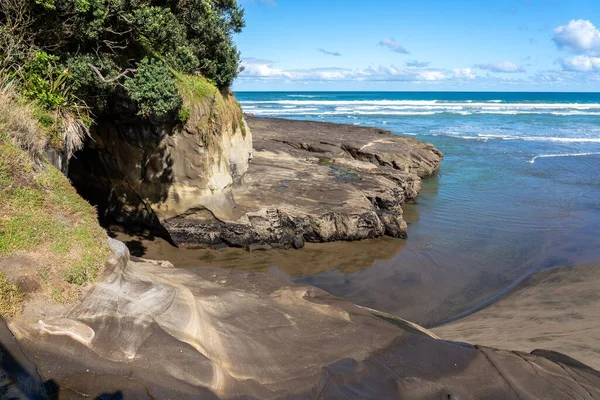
(313, 259)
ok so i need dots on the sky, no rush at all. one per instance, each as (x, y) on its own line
(504, 45)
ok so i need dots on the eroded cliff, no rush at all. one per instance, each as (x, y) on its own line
(146, 171)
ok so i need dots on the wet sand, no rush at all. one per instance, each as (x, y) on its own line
(556, 309)
(313, 259)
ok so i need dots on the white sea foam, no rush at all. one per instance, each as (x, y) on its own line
(308, 96)
(421, 103)
(489, 136)
(417, 107)
(554, 139)
(301, 111)
(562, 155)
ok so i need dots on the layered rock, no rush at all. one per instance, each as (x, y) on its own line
(147, 171)
(149, 330)
(307, 181)
(316, 182)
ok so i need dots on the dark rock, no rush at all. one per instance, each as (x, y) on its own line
(308, 181)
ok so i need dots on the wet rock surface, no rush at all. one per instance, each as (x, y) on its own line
(149, 330)
(313, 182)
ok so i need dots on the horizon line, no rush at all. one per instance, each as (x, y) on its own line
(412, 91)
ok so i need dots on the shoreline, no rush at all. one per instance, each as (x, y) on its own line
(554, 309)
(224, 325)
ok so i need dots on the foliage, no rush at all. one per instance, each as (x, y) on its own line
(153, 87)
(41, 214)
(91, 51)
(45, 82)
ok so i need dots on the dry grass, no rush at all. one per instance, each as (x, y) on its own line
(11, 298)
(209, 110)
(42, 218)
(74, 133)
(21, 121)
(34, 129)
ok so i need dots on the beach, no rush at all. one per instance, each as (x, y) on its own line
(556, 309)
(248, 321)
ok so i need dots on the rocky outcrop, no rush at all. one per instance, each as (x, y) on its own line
(307, 181)
(149, 330)
(140, 171)
(316, 182)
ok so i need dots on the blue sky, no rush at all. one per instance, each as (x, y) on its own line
(551, 45)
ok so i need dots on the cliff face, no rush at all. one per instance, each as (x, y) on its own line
(145, 171)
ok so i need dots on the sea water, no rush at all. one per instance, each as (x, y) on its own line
(518, 191)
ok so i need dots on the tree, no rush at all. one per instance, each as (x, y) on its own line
(102, 49)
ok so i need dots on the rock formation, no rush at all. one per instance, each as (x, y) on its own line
(307, 181)
(315, 182)
(147, 171)
(148, 330)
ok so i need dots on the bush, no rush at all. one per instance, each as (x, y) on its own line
(153, 87)
(45, 81)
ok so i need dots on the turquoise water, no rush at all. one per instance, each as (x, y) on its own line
(518, 191)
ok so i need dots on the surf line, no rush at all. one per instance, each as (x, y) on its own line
(562, 155)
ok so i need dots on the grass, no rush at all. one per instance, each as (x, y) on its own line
(207, 110)
(31, 127)
(41, 214)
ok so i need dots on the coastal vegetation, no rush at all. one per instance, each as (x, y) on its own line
(64, 66)
(42, 218)
(86, 57)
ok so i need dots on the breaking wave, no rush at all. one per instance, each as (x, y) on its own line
(562, 155)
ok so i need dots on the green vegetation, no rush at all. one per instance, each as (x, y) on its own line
(153, 87)
(41, 215)
(208, 109)
(91, 56)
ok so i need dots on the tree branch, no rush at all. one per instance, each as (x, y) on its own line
(116, 78)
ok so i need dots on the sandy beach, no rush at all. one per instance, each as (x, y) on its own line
(556, 309)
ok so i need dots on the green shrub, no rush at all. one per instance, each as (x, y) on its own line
(45, 81)
(153, 88)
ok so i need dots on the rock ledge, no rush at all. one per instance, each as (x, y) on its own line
(315, 182)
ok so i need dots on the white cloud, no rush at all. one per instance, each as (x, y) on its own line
(581, 63)
(464, 73)
(264, 69)
(417, 63)
(578, 36)
(329, 53)
(394, 46)
(504, 66)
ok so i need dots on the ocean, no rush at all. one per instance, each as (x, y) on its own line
(518, 191)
